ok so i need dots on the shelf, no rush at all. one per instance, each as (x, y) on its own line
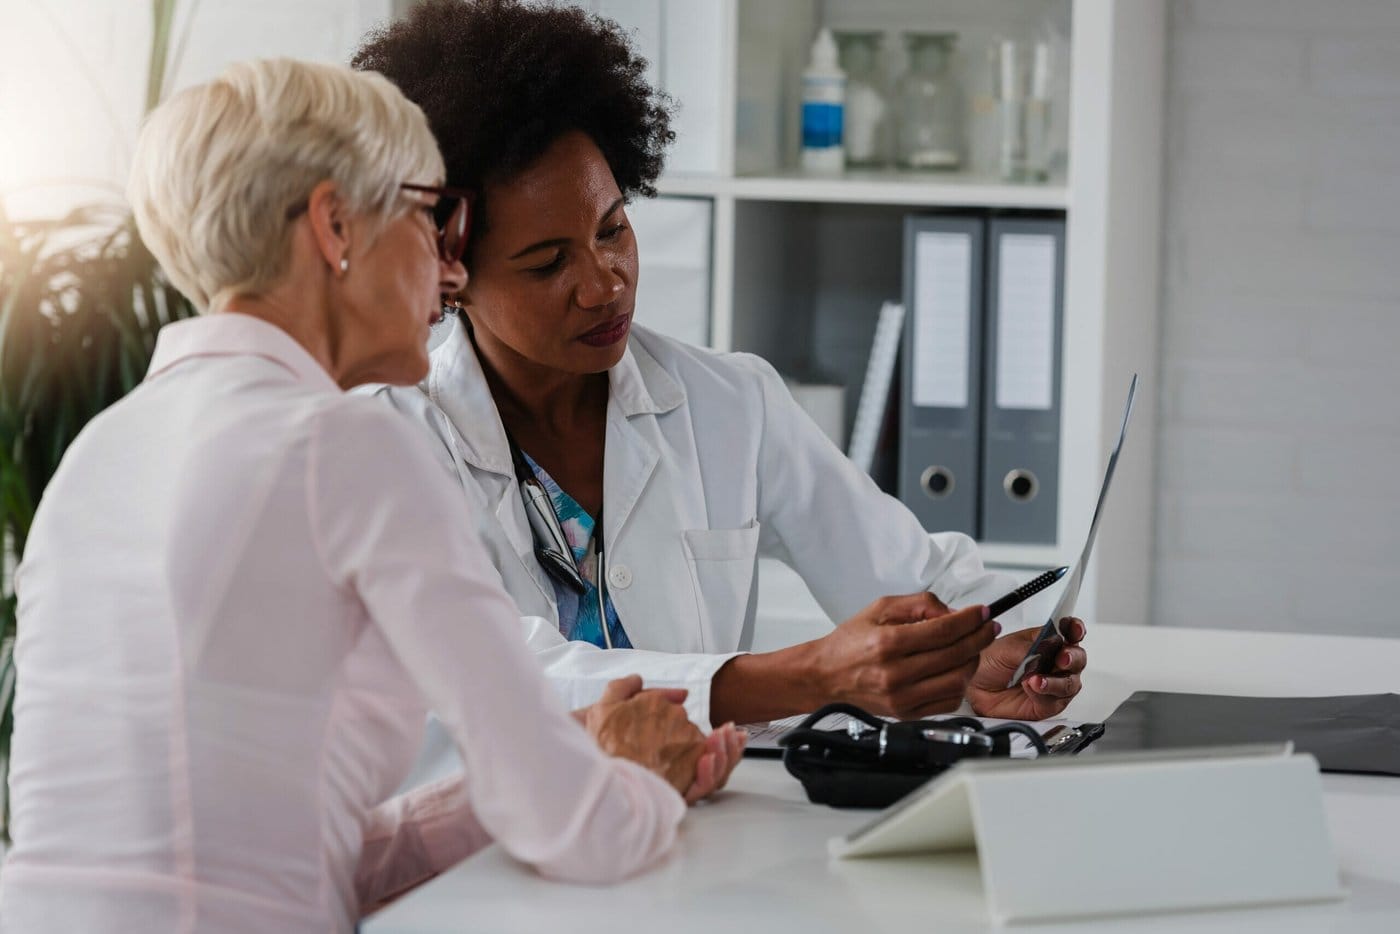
(872, 187)
(799, 264)
(1042, 557)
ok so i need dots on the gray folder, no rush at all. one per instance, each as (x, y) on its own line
(1021, 402)
(940, 412)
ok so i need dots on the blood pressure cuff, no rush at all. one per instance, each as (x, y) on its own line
(873, 762)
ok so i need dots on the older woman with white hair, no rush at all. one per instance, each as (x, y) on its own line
(244, 587)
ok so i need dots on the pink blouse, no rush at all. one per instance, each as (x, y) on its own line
(243, 590)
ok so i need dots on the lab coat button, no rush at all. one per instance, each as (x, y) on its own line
(620, 576)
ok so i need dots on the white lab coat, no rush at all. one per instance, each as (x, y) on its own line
(709, 463)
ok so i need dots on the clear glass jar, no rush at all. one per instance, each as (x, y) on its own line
(929, 105)
(1022, 88)
(867, 109)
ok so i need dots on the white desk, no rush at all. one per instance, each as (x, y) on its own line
(755, 859)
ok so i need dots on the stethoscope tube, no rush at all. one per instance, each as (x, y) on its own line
(552, 547)
(602, 586)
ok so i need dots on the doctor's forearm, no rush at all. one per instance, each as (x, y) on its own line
(905, 656)
(768, 686)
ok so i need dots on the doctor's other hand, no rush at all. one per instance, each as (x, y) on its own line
(1037, 697)
(650, 727)
(906, 656)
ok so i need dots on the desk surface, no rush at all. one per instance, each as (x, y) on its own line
(755, 857)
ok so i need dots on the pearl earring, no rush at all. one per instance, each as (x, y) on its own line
(344, 264)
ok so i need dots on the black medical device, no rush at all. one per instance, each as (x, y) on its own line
(873, 762)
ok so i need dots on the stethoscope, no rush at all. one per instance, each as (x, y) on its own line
(552, 549)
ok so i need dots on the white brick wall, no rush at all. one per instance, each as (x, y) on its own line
(1279, 433)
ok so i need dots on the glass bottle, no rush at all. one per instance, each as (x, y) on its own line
(929, 107)
(867, 110)
(1023, 107)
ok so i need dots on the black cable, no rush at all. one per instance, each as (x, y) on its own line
(806, 733)
(1028, 732)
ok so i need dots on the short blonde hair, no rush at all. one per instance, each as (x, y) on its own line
(218, 167)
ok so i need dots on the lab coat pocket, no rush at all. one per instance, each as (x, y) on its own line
(723, 564)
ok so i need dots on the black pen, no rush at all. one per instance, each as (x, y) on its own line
(1024, 592)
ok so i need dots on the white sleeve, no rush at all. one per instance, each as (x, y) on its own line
(580, 670)
(850, 541)
(391, 530)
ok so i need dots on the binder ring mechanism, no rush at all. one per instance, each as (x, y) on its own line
(937, 481)
(1021, 485)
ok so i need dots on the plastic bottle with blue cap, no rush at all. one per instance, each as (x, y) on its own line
(823, 108)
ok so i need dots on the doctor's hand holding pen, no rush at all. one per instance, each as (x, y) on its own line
(650, 727)
(905, 656)
(902, 656)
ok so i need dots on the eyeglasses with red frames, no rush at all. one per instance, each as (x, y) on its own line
(453, 216)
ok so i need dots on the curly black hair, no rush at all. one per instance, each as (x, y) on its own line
(501, 81)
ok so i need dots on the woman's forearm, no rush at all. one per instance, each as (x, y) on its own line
(411, 838)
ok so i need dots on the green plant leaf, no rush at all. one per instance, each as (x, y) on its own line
(162, 16)
(81, 300)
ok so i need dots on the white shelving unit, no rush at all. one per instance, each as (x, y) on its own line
(800, 264)
(871, 187)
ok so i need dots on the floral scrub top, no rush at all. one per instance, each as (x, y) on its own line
(578, 612)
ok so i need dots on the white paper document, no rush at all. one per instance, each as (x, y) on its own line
(1048, 639)
(1070, 594)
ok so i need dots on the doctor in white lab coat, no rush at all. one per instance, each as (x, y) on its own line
(673, 468)
(710, 464)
